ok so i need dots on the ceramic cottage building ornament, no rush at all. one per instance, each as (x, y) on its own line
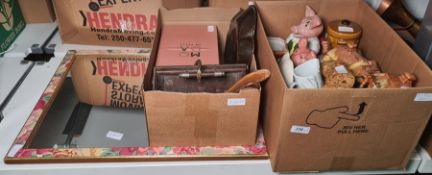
(310, 28)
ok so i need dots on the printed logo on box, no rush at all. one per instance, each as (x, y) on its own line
(190, 50)
(331, 117)
(118, 27)
(119, 93)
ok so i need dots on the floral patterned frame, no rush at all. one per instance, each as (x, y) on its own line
(18, 153)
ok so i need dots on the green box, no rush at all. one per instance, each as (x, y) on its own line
(11, 23)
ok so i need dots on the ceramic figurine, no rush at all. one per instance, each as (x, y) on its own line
(310, 28)
(343, 67)
(302, 53)
(385, 80)
(343, 63)
(335, 79)
(351, 60)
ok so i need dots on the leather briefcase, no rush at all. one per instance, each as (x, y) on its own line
(240, 44)
(197, 78)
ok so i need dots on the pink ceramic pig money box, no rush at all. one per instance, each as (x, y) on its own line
(310, 28)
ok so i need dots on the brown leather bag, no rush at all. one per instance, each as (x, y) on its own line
(197, 78)
(240, 44)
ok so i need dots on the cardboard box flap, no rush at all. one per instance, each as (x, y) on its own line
(199, 119)
(174, 4)
(198, 15)
(275, 86)
(147, 83)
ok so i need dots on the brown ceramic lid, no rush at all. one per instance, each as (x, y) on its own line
(344, 29)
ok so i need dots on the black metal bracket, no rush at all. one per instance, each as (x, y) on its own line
(38, 55)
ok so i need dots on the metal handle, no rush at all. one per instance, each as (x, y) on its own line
(199, 74)
(202, 75)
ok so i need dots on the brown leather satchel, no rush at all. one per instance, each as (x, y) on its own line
(197, 78)
(240, 44)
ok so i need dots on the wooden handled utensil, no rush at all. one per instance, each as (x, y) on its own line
(251, 78)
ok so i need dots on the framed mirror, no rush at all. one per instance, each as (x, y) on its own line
(63, 128)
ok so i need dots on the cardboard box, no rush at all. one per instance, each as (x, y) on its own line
(11, 23)
(107, 22)
(228, 3)
(303, 128)
(185, 44)
(110, 79)
(175, 4)
(231, 3)
(201, 119)
(37, 11)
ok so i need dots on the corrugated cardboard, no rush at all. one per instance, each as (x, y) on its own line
(202, 119)
(231, 3)
(305, 130)
(110, 79)
(37, 11)
(107, 22)
(228, 3)
(11, 23)
(175, 4)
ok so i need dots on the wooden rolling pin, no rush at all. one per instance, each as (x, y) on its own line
(251, 78)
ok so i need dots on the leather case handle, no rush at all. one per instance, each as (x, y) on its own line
(199, 74)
